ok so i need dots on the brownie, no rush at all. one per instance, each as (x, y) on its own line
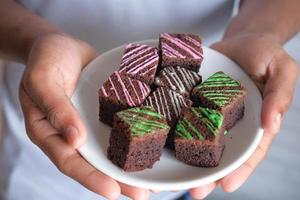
(120, 92)
(169, 104)
(223, 93)
(199, 137)
(137, 138)
(182, 50)
(179, 79)
(140, 62)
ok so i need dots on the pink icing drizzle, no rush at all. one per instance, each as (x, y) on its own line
(182, 45)
(137, 48)
(132, 57)
(103, 91)
(125, 91)
(144, 64)
(136, 94)
(171, 51)
(114, 88)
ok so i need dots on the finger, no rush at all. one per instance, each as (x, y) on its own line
(50, 79)
(277, 96)
(203, 191)
(278, 91)
(134, 193)
(58, 108)
(63, 155)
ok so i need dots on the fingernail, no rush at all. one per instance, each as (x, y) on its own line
(72, 136)
(277, 122)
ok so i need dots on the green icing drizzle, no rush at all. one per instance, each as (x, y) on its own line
(212, 119)
(147, 110)
(142, 120)
(214, 116)
(182, 131)
(211, 88)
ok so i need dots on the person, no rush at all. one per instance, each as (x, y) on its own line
(57, 39)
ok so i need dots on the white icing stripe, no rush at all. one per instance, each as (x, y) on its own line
(157, 105)
(188, 78)
(166, 107)
(182, 78)
(169, 82)
(174, 102)
(178, 83)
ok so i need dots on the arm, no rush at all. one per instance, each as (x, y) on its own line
(276, 18)
(254, 40)
(54, 61)
(19, 29)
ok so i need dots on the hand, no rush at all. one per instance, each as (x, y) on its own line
(52, 123)
(275, 73)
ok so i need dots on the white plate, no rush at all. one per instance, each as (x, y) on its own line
(168, 173)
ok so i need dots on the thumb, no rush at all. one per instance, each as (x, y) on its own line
(54, 66)
(278, 92)
(58, 108)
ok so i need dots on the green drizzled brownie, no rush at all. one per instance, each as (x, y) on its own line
(224, 94)
(199, 137)
(137, 138)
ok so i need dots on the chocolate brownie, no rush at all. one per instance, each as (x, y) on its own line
(137, 138)
(182, 50)
(199, 137)
(223, 93)
(179, 79)
(169, 104)
(118, 93)
(140, 62)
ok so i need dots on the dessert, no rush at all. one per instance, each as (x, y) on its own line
(140, 62)
(118, 93)
(137, 138)
(223, 93)
(169, 104)
(182, 50)
(179, 79)
(199, 137)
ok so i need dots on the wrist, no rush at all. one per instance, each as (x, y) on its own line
(251, 29)
(37, 37)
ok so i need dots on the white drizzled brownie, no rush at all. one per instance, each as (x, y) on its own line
(169, 104)
(179, 79)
